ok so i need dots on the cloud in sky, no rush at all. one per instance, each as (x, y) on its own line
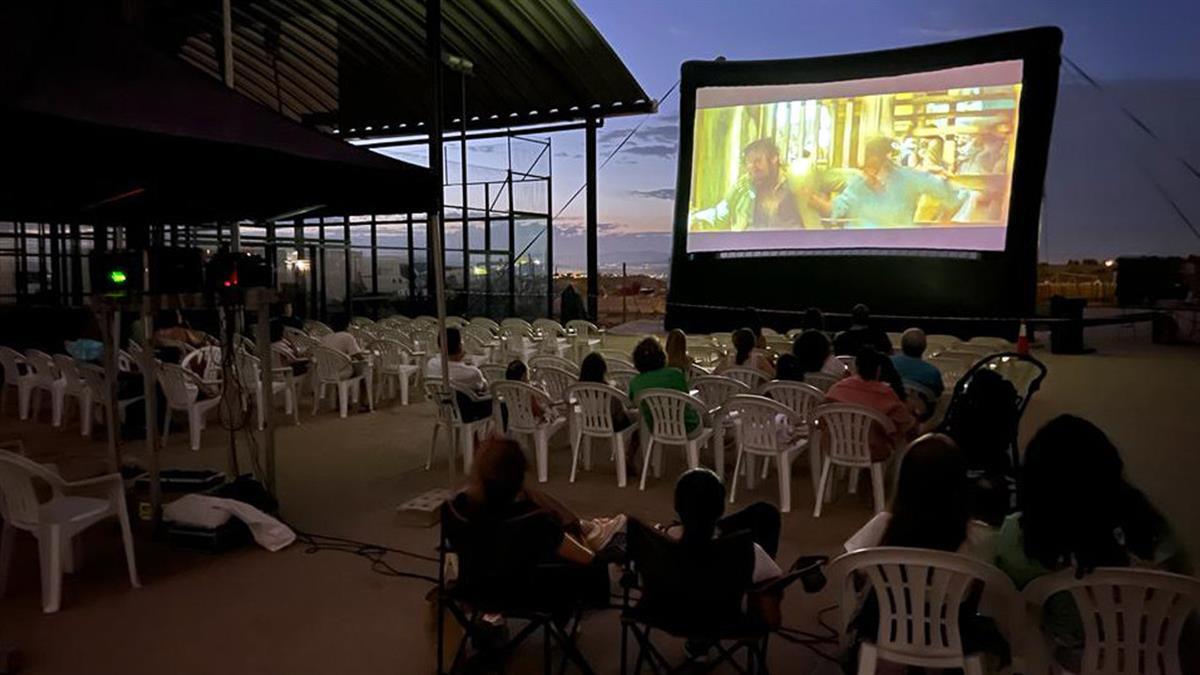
(661, 193)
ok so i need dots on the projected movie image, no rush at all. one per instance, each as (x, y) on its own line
(917, 161)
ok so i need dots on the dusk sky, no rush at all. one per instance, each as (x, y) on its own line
(1100, 199)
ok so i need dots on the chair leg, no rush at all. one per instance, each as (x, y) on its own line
(576, 441)
(195, 426)
(343, 396)
(877, 486)
(23, 396)
(541, 447)
(587, 453)
(58, 401)
(166, 424)
(316, 396)
(868, 656)
(432, 446)
(784, 468)
(854, 475)
(403, 389)
(258, 407)
(648, 447)
(468, 448)
(751, 461)
(85, 418)
(8, 539)
(973, 665)
(822, 484)
(127, 540)
(619, 443)
(693, 454)
(50, 550)
(737, 466)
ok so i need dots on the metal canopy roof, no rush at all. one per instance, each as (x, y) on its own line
(358, 67)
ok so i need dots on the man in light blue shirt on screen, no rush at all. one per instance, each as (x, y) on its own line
(886, 194)
(910, 365)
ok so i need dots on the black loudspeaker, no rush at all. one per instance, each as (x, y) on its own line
(231, 271)
(1144, 281)
(1067, 338)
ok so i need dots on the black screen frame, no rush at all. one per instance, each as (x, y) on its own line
(707, 288)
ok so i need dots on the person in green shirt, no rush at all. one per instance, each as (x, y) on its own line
(1077, 510)
(653, 373)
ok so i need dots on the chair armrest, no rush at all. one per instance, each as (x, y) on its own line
(92, 482)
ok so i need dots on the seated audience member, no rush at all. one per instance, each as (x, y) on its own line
(462, 374)
(866, 389)
(932, 505)
(653, 373)
(496, 492)
(861, 334)
(677, 356)
(912, 367)
(283, 353)
(814, 319)
(700, 507)
(340, 340)
(1078, 511)
(788, 368)
(595, 369)
(517, 371)
(889, 374)
(813, 349)
(746, 354)
(90, 345)
(170, 326)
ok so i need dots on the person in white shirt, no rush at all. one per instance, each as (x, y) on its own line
(931, 507)
(462, 374)
(341, 341)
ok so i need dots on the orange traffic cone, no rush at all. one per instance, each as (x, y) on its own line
(1023, 340)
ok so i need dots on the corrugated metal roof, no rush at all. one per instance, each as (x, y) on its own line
(359, 66)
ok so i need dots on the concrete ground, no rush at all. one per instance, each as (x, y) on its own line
(251, 611)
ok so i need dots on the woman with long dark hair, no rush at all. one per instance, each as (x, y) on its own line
(746, 354)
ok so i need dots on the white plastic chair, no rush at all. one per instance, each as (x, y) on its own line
(706, 355)
(920, 593)
(360, 321)
(615, 357)
(456, 321)
(751, 377)
(282, 382)
(518, 398)
(998, 344)
(57, 521)
(476, 344)
(820, 380)
(182, 392)
(559, 362)
(620, 375)
(486, 324)
(210, 359)
(94, 380)
(587, 336)
(849, 363)
(334, 369)
(554, 381)
(765, 428)
(715, 390)
(939, 343)
(493, 372)
(1132, 618)
(317, 329)
(803, 399)
(45, 378)
(301, 341)
(668, 426)
(593, 419)
(846, 441)
(461, 434)
(75, 388)
(952, 365)
(517, 324)
(397, 366)
(16, 374)
(923, 401)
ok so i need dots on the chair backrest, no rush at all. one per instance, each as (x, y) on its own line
(518, 325)
(706, 354)
(849, 363)
(484, 323)
(582, 328)
(68, 368)
(42, 365)
(317, 329)
(751, 377)
(210, 360)
(444, 398)
(847, 428)
(549, 328)
(593, 405)
(921, 398)
(18, 494)
(1132, 618)
(800, 397)
(303, 342)
(519, 398)
(9, 358)
(668, 412)
(920, 593)
(939, 343)
(425, 339)
(249, 370)
(695, 588)
(359, 321)
(554, 380)
(616, 357)
(542, 360)
(952, 366)
(332, 365)
(760, 421)
(715, 390)
(493, 372)
(995, 343)
(177, 385)
(474, 344)
(620, 375)
(480, 333)
(979, 350)
(392, 354)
